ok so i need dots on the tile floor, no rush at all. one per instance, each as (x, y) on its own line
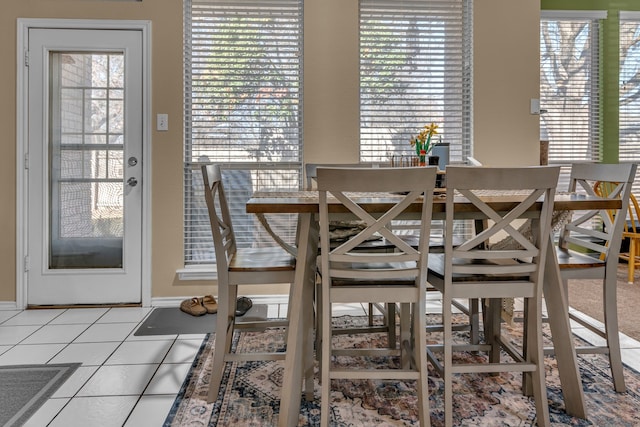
(124, 380)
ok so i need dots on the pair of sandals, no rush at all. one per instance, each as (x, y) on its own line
(200, 306)
(208, 305)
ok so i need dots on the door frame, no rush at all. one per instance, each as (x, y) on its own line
(22, 124)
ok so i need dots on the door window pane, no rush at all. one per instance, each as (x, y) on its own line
(86, 193)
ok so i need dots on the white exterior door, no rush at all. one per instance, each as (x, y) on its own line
(84, 166)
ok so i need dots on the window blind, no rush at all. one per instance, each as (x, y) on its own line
(629, 114)
(415, 69)
(570, 89)
(243, 110)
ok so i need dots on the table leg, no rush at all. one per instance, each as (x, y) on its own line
(299, 337)
(406, 333)
(308, 295)
(565, 353)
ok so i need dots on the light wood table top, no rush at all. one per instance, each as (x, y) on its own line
(307, 202)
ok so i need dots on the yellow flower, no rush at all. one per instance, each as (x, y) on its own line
(432, 129)
(422, 141)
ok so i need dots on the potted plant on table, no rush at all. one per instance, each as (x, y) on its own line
(423, 142)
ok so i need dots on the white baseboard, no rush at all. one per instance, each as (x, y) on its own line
(257, 299)
(8, 305)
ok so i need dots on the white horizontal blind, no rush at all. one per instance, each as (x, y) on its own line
(243, 109)
(570, 90)
(629, 116)
(415, 69)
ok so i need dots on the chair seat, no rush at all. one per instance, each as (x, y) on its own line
(568, 258)
(374, 283)
(437, 268)
(374, 271)
(436, 244)
(462, 284)
(262, 259)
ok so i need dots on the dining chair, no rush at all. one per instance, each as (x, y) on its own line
(585, 251)
(630, 247)
(239, 266)
(375, 242)
(473, 270)
(351, 274)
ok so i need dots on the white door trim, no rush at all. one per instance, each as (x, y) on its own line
(23, 26)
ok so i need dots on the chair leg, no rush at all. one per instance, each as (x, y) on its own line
(325, 380)
(390, 319)
(474, 320)
(632, 260)
(318, 323)
(447, 362)
(534, 353)
(224, 333)
(527, 377)
(405, 335)
(612, 334)
(420, 353)
(308, 341)
(492, 328)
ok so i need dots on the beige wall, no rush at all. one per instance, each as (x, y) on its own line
(506, 77)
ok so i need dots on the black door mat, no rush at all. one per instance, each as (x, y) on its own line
(172, 321)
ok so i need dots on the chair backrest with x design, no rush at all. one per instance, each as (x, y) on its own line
(224, 240)
(475, 256)
(339, 183)
(580, 233)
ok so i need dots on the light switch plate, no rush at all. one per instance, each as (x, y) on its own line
(162, 122)
(535, 106)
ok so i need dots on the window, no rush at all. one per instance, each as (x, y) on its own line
(570, 87)
(629, 116)
(243, 92)
(415, 68)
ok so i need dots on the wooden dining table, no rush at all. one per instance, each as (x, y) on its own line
(298, 372)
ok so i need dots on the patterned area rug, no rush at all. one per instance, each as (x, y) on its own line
(249, 394)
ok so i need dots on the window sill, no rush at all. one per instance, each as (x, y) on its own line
(198, 272)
